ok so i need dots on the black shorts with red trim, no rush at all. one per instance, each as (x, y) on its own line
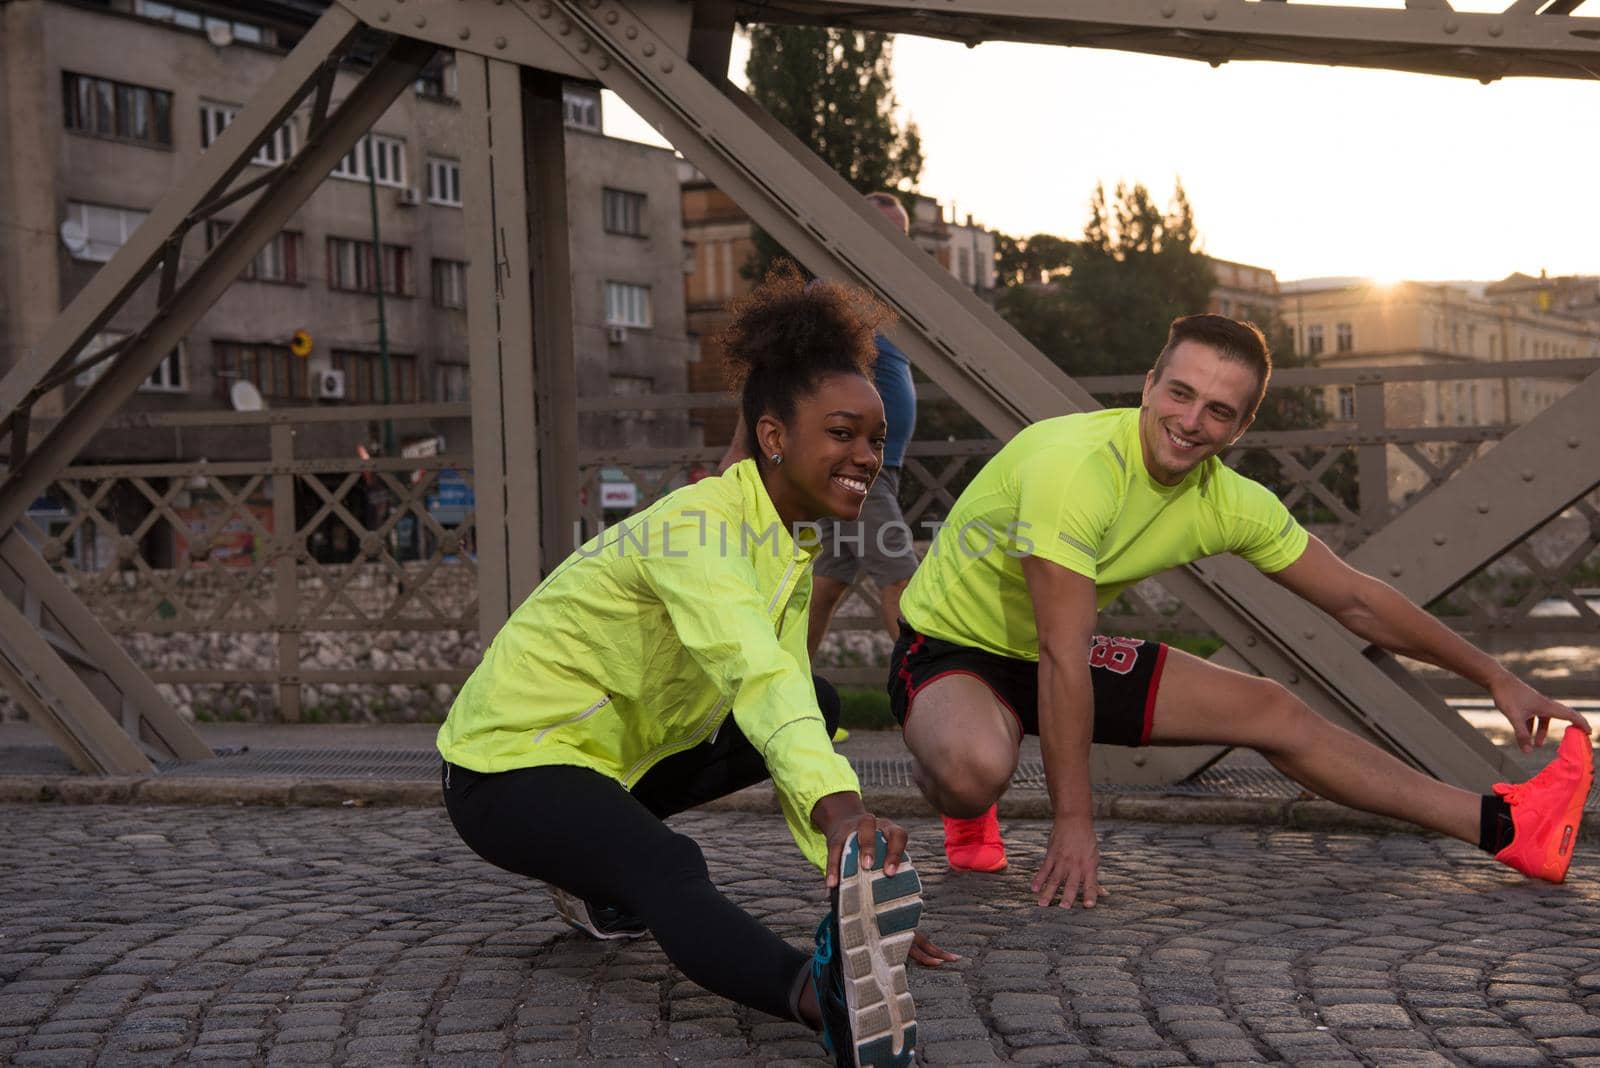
(1125, 673)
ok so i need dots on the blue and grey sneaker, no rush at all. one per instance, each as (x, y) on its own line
(859, 968)
(598, 921)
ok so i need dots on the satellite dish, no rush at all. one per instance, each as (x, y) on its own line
(73, 237)
(246, 397)
(219, 33)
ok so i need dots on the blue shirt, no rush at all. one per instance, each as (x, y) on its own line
(892, 373)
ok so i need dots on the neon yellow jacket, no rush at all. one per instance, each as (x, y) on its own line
(638, 645)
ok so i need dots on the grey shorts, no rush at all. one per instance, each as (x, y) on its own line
(880, 541)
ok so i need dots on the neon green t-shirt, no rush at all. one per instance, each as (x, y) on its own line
(1074, 490)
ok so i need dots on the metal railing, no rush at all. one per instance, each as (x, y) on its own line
(327, 586)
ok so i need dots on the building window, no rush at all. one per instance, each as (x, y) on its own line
(363, 377)
(1344, 338)
(582, 108)
(1347, 404)
(444, 182)
(106, 108)
(388, 161)
(437, 81)
(99, 230)
(278, 373)
(278, 260)
(191, 19)
(168, 377)
(627, 305)
(623, 212)
(214, 118)
(451, 382)
(351, 267)
(450, 283)
(1314, 342)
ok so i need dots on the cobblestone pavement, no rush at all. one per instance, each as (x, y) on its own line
(133, 936)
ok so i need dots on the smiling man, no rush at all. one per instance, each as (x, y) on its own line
(998, 637)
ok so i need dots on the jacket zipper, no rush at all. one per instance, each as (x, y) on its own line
(570, 720)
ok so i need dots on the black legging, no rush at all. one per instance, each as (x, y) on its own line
(581, 831)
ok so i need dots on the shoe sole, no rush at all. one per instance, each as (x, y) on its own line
(573, 909)
(878, 917)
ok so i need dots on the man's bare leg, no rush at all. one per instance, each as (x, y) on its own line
(1199, 702)
(889, 607)
(964, 745)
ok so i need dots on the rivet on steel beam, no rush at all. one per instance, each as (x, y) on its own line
(1396, 571)
(666, 66)
(1483, 507)
(583, 45)
(1167, 11)
(420, 21)
(1527, 476)
(611, 18)
(499, 42)
(1440, 539)
(1308, 634)
(564, 27)
(383, 16)
(1294, 678)
(1496, 29)
(1139, 760)
(1451, 25)
(1574, 441)
(1250, 639)
(631, 33)
(464, 33)
(604, 63)
(544, 11)
(1209, 13)
(649, 49)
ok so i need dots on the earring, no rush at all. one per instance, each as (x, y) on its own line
(777, 457)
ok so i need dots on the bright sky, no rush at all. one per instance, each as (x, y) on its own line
(1307, 170)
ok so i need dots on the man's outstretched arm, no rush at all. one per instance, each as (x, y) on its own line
(1064, 612)
(1376, 611)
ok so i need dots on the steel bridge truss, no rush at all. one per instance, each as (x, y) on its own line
(667, 59)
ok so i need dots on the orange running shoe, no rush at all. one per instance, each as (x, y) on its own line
(1546, 810)
(975, 844)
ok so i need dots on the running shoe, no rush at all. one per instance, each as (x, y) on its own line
(598, 921)
(1546, 810)
(975, 844)
(859, 967)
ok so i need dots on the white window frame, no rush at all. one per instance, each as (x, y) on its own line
(124, 220)
(622, 211)
(581, 108)
(452, 382)
(215, 117)
(388, 157)
(1314, 340)
(1344, 337)
(444, 182)
(627, 304)
(168, 377)
(1347, 404)
(449, 280)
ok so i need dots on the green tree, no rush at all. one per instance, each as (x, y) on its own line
(834, 90)
(1020, 261)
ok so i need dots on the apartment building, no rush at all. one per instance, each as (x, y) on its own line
(107, 103)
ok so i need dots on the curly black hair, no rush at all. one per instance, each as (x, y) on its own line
(788, 334)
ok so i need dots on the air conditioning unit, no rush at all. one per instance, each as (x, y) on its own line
(616, 335)
(330, 385)
(409, 197)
